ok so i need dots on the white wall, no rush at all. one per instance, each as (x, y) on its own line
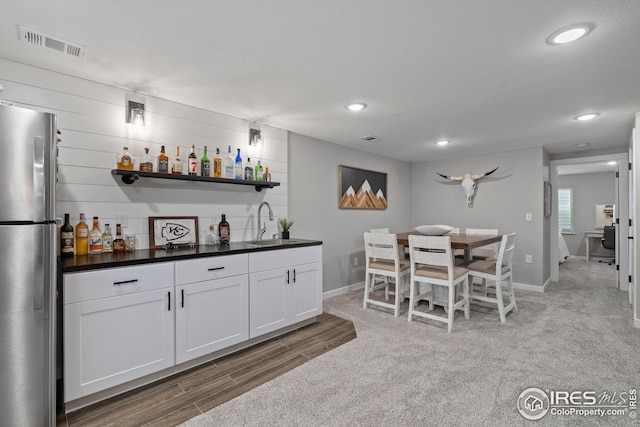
(501, 201)
(313, 203)
(91, 117)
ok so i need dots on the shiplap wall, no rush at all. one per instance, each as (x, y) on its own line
(91, 117)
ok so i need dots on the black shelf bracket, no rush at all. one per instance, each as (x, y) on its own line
(129, 177)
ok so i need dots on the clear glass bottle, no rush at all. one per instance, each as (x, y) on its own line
(146, 164)
(248, 170)
(95, 238)
(82, 236)
(205, 164)
(259, 172)
(125, 160)
(211, 238)
(229, 164)
(217, 165)
(267, 176)
(238, 166)
(163, 161)
(66, 238)
(107, 240)
(118, 242)
(224, 230)
(193, 161)
(176, 167)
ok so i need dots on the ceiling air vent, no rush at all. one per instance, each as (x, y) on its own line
(369, 138)
(41, 39)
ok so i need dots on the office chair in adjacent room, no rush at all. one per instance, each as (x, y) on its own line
(609, 241)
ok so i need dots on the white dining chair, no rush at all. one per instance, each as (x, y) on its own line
(497, 276)
(432, 263)
(382, 259)
(384, 279)
(489, 251)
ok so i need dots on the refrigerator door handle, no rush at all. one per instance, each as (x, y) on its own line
(38, 179)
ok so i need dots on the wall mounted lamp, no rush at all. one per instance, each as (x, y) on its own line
(255, 137)
(135, 113)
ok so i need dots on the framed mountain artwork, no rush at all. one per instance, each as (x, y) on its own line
(361, 188)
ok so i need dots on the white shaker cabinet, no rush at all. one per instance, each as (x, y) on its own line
(212, 305)
(285, 287)
(119, 326)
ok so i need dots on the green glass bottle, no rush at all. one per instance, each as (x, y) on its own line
(205, 164)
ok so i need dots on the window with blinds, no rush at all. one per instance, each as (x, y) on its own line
(565, 210)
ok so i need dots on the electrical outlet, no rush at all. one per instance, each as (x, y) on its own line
(122, 219)
(528, 216)
(355, 261)
(528, 259)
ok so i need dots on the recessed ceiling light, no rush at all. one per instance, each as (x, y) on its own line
(612, 163)
(582, 145)
(356, 106)
(586, 117)
(442, 142)
(570, 33)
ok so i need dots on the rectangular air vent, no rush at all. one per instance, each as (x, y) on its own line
(369, 138)
(38, 38)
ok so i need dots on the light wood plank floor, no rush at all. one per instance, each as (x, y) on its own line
(176, 399)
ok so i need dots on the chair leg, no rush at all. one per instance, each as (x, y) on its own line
(512, 296)
(396, 310)
(412, 288)
(465, 295)
(452, 294)
(503, 318)
(367, 285)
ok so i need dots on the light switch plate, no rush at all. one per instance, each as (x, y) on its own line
(528, 259)
(122, 219)
(528, 216)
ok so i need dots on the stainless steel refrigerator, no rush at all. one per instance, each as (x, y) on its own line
(27, 267)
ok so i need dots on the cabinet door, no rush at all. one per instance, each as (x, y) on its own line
(306, 291)
(113, 340)
(211, 315)
(268, 301)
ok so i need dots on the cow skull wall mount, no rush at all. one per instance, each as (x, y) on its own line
(468, 182)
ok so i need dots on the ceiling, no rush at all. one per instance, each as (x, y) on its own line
(479, 73)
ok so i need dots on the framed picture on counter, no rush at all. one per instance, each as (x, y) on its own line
(362, 189)
(172, 229)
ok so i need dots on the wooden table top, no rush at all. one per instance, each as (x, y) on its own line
(458, 240)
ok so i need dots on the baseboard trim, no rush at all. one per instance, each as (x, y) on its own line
(343, 290)
(636, 323)
(530, 288)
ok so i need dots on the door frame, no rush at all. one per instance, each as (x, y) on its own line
(622, 211)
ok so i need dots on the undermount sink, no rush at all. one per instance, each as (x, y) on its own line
(270, 242)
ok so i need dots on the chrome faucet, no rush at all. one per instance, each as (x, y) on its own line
(263, 228)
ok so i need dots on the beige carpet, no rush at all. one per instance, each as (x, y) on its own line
(577, 336)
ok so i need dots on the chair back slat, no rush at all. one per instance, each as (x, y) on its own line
(431, 250)
(381, 246)
(488, 250)
(507, 248)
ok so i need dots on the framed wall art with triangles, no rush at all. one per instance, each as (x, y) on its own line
(361, 188)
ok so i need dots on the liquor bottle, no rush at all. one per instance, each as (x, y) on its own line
(205, 164)
(163, 161)
(146, 165)
(217, 165)
(176, 167)
(248, 170)
(82, 236)
(238, 168)
(66, 238)
(95, 238)
(228, 165)
(267, 176)
(125, 160)
(259, 172)
(107, 239)
(224, 230)
(118, 242)
(211, 238)
(193, 161)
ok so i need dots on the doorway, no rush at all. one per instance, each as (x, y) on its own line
(622, 211)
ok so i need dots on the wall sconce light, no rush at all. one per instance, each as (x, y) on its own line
(135, 113)
(254, 137)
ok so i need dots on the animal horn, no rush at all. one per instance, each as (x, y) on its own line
(480, 175)
(453, 178)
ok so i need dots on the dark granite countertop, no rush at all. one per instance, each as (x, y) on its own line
(147, 256)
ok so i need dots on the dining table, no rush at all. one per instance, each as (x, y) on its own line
(463, 241)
